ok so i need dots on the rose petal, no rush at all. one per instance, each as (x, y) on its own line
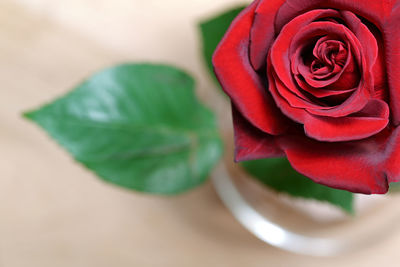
(373, 119)
(391, 158)
(323, 92)
(262, 32)
(241, 82)
(374, 11)
(251, 143)
(297, 114)
(317, 92)
(359, 167)
(366, 38)
(354, 103)
(381, 87)
(320, 81)
(365, 166)
(392, 40)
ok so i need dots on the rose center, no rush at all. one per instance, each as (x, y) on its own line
(328, 57)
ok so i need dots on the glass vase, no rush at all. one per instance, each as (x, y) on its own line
(299, 225)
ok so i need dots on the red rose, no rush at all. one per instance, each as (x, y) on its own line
(317, 81)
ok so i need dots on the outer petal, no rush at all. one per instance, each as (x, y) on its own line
(358, 167)
(392, 40)
(251, 143)
(391, 157)
(262, 32)
(365, 166)
(375, 11)
(240, 81)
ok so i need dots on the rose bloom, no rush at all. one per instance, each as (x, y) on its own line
(317, 81)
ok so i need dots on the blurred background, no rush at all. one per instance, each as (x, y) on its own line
(56, 213)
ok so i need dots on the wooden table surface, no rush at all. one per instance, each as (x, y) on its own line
(54, 212)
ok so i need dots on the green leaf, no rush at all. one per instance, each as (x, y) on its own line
(278, 174)
(212, 31)
(137, 126)
(394, 188)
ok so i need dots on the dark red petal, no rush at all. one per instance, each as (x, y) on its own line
(354, 103)
(251, 143)
(322, 92)
(337, 79)
(359, 167)
(241, 82)
(375, 11)
(391, 157)
(381, 87)
(297, 65)
(371, 120)
(285, 44)
(392, 41)
(365, 37)
(296, 114)
(292, 97)
(349, 78)
(262, 32)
